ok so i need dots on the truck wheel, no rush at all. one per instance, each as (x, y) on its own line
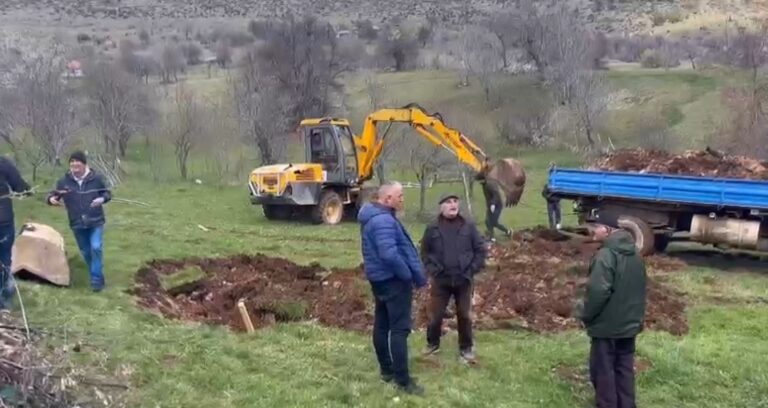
(661, 242)
(329, 210)
(277, 212)
(643, 234)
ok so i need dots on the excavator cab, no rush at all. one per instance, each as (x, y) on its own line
(331, 145)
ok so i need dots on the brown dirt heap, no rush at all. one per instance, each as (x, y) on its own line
(707, 163)
(531, 283)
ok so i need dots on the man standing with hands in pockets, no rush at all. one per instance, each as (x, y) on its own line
(83, 192)
(393, 268)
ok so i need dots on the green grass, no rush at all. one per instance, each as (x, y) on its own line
(720, 363)
(177, 364)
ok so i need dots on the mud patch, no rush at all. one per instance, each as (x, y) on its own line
(531, 283)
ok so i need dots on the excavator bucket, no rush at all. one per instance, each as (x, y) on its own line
(39, 251)
(510, 176)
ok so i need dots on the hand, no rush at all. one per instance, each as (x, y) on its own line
(54, 201)
(493, 208)
(97, 202)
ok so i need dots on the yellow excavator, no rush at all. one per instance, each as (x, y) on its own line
(338, 163)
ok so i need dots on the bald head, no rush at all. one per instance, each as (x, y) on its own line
(391, 195)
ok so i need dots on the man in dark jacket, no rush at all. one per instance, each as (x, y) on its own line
(553, 207)
(613, 314)
(453, 252)
(393, 268)
(494, 205)
(10, 180)
(84, 193)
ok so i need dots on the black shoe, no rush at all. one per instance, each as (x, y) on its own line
(387, 378)
(411, 388)
(430, 349)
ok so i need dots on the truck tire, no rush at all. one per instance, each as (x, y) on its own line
(277, 212)
(643, 234)
(329, 210)
(661, 242)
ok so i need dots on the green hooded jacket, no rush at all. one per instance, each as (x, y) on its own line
(615, 300)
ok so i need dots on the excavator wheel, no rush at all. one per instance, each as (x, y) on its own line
(277, 212)
(329, 210)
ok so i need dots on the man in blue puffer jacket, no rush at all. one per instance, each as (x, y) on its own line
(393, 268)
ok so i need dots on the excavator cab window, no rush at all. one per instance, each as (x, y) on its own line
(323, 148)
(350, 154)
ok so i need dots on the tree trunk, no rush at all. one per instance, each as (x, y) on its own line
(422, 192)
(467, 191)
(380, 173)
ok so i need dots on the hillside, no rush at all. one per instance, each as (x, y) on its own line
(619, 16)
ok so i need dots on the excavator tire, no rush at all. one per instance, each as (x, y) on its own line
(277, 212)
(329, 210)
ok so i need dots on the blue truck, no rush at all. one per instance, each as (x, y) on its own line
(659, 208)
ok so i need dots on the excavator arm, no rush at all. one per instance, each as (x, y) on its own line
(370, 144)
(507, 173)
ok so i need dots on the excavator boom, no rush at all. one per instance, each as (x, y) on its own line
(508, 173)
(431, 127)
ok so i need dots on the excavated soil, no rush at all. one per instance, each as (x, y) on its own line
(691, 163)
(532, 282)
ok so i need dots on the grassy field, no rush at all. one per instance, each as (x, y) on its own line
(720, 363)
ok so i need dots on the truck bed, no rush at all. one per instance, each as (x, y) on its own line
(661, 188)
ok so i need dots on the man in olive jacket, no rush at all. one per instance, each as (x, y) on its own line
(453, 252)
(613, 314)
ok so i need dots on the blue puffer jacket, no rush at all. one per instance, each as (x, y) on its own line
(388, 251)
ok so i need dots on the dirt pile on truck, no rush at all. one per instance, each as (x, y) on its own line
(531, 283)
(708, 163)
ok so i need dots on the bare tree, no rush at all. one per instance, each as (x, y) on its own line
(47, 104)
(192, 53)
(424, 35)
(171, 62)
(144, 37)
(223, 53)
(184, 126)
(263, 111)
(305, 60)
(423, 159)
(119, 107)
(479, 57)
(140, 65)
(501, 26)
(590, 100)
(223, 148)
(399, 50)
(750, 50)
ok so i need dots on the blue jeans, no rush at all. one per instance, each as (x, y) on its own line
(90, 240)
(7, 237)
(391, 327)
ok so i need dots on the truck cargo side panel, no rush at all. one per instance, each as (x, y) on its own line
(733, 193)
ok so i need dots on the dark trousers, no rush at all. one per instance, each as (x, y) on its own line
(441, 293)
(391, 327)
(492, 219)
(7, 237)
(611, 369)
(553, 212)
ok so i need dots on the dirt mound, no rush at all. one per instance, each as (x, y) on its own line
(532, 282)
(691, 163)
(273, 289)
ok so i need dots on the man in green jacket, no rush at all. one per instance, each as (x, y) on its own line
(613, 314)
